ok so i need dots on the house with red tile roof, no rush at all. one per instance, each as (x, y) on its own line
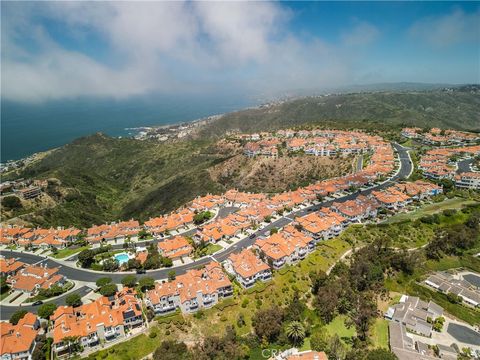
(285, 247)
(18, 341)
(175, 248)
(105, 319)
(32, 278)
(358, 209)
(194, 290)
(9, 267)
(175, 221)
(113, 232)
(468, 180)
(247, 268)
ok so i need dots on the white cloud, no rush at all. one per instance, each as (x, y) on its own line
(363, 33)
(169, 47)
(449, 29)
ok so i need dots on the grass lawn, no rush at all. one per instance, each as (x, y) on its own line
(4, 295)
(210, 249)
(136, 348)
(379, 334)
(69, 252)
(338, 327)
(429, 209)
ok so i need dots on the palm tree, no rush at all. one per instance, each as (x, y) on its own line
(295, 332)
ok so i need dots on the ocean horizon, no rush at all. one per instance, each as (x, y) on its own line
(30, 128)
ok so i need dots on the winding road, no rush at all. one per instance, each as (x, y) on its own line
(74, 273)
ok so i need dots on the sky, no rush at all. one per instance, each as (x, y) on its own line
(67, 50)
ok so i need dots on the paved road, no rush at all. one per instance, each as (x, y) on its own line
(7, 310)
(91, 276)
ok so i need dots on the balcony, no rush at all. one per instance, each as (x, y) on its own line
(61, 347)
(110, 333)
(93, 340)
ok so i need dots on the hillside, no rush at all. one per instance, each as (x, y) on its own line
(106, 179)
(273, 175)
(99, 178)
(121, 178)
(457, 108)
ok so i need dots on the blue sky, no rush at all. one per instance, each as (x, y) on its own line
(55, 50)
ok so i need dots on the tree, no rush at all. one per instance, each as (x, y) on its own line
(86, 258)
(336, 349)
(134, 264)
(108, 290)
(273, 230)
(146, 283)
(3, 284)
(202, 217)
(11, 203)
(319, 339)
(16, 316)
(295, 309)
(103, 281)
(326, 302)
(171, 275)
(268, 323)
(74, 300)
(295, 332)
(129, 281)
(172, 350)
(363, 313)
(46, 310)
(153, 261)
(110, 265)
(380, 354)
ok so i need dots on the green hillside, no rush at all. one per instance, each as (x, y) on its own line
(110, 179)
(106, 179)
(446, 109)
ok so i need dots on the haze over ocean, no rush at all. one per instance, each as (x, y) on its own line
(30, 128)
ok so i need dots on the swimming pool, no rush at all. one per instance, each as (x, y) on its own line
(122, 258)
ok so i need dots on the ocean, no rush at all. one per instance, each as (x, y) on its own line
(30, 128)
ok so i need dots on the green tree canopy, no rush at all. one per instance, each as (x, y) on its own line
(129, 281)
(103, 281)
(108, 289)
(46, 310)
(16, 316)
(73, 300)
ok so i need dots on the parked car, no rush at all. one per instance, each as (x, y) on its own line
(38, 302)
(141, 271)
(253, 236)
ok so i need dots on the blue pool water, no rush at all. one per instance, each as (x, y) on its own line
(122, 258)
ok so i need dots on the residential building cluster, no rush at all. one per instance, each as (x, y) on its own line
(312, 142)
(161, 225)
(247, 268)
(438, 137)
(29, 279)
(17, 342)
(38, 237)
(194, 290)
(441, 164)
(448, 284)
(414, 316)
(174, 248)
(26, 189)
(113, 231)
(105, 319)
